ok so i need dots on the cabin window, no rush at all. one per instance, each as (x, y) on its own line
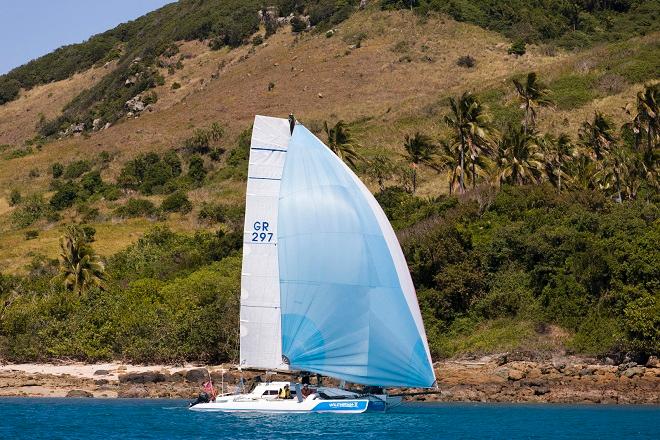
(270, 393)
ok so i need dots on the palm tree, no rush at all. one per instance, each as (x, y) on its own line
(597, 137)
(532, 94)
(341, 142)
(519, 158)
(380, 169)
(647, 120)
(557, 152)
(646, 127)
(80, 267)
(449, 159)
(420, 150)
(614, 172)
(471, 125)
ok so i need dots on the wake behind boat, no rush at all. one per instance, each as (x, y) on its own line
(325, 287)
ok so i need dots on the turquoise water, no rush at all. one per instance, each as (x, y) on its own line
(91, 419)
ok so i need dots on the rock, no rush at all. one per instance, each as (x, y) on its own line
(587, 371)
(516, 374)
(179, 376)
(79, 393)
(144, 377)
(320, 95)
(135, 392)
(130, 80)
(653, 362)
(130, 114)
(101, 372)
(121, 368)
(634, 371)
(626, 365)
(540, 391)
(106, 126)
(198, 375)
(135, 104)
(101, 382)
(96, 124)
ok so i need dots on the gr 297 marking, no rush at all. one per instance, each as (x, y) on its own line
(261, 233)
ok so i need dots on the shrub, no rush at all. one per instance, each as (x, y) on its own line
(136, 208)
(31, 209)
(176, 85)
(14, 197)
(34, 172)
(112, 193)
(298, 24)
(149, 98)
(57, 169)
(177, 202)
(76, 169)
(216, 213)
(148, 173)
(92, 182)
(9, 89)
(65, 196)
(257, 40)
(31, 234)
(196, 170)
(517, 48)
(202, 138)
(466, 61)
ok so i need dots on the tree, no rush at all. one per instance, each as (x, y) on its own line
(647, 121)
(519, 159)
(532, 94)
(471, 124)
(380, 169)
(646, 127)
(340, 141)
(420, 150)
(597, 137)
(449, 160)
(614, 172)
(196, 170)
(557, 152)
(80, 267)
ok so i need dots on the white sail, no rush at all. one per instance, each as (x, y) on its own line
(260, 329)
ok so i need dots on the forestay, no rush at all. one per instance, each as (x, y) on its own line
(348, 304)
(260, 288)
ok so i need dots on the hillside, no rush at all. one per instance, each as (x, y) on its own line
(388, 72)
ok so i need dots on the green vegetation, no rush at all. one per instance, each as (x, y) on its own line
(537, 256)
(570, 24)
(137, 208)
(151, 174)
(176, 202)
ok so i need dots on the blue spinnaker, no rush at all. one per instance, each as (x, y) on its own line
(344, 311)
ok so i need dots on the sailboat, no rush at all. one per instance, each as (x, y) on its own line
(325, 288)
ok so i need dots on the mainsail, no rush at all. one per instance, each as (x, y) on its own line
(344, 305)
(260, 328)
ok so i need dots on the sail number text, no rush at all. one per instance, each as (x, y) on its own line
(261, 233)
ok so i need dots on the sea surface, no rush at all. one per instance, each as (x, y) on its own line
(105, 419)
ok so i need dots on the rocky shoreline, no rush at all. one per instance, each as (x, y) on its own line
(496, 378)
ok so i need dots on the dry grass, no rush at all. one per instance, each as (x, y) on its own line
(396, 83)
(18, 119)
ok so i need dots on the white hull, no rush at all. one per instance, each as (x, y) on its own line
(345, 406)
(323, 400)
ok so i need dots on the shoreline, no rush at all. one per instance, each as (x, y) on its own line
(507, 378)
